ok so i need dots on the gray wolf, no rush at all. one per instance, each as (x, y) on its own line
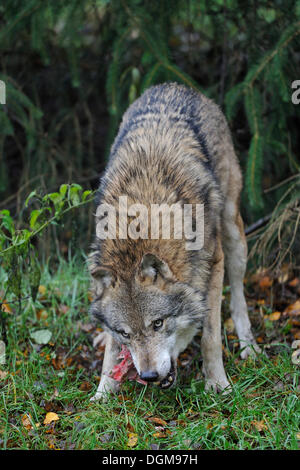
(153, 295)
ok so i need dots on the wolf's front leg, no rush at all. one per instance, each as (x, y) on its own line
(107, 384)
(211, 344)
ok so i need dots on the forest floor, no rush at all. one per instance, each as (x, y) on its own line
(45, 389)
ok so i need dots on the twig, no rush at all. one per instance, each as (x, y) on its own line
(257, 224)
(281, 183)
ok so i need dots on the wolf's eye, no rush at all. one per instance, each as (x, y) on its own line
(157, 324)
(126, 335)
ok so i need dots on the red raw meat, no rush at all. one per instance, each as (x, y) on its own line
(125, 369)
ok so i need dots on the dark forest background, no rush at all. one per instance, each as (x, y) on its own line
(72, 67)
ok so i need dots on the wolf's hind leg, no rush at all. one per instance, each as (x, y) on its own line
(235, 247)
(107, 384)
(211, 343)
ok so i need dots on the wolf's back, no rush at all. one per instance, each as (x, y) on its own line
(168, 105)
(168, 149)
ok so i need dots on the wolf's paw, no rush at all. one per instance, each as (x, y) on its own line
(106, 387)
(251, 350)
(100, 339)
(220, 385)
(100, 396)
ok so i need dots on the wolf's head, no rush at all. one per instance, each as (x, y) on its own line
(152, 313)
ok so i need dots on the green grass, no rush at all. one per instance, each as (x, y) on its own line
(261, 413)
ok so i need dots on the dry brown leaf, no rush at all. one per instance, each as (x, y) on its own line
(42, 314)
(265, 282)
(294, 282)
(297, 334)
(160, 435)
(50, 417)
(260, 339)
(3, 374)
(159, 421)
(293, 309)
(85, 386)
(5, 307)
(260, 425)
(26, 421)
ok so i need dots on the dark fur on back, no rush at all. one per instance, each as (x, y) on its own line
(161, 155)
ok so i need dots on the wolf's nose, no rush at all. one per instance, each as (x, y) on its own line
(149, 375)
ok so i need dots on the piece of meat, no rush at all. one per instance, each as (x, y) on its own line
(125, 369)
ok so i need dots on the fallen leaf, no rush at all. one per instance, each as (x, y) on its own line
(50, 417)
(154, 446)
(160, 435)
(294, 282)
(41, 336)
(85, 386)
(132, 439)
(260, 425)
(5, 307)
(26, 421)
(293, 309)
(42, 290)
(129, 427)
(229, 325)
(297, 334)
(3, 374)
(42, 314)
(273, 316)
(159, 421)
(265, 282)
(105, 437)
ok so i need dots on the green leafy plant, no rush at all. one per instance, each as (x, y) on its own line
(18, 254)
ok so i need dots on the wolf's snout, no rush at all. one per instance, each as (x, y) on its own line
(149, 375)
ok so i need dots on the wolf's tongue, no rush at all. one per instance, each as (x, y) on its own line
(125, 369)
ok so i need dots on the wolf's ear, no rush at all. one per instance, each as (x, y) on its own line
(152, 266)
(103, 278)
